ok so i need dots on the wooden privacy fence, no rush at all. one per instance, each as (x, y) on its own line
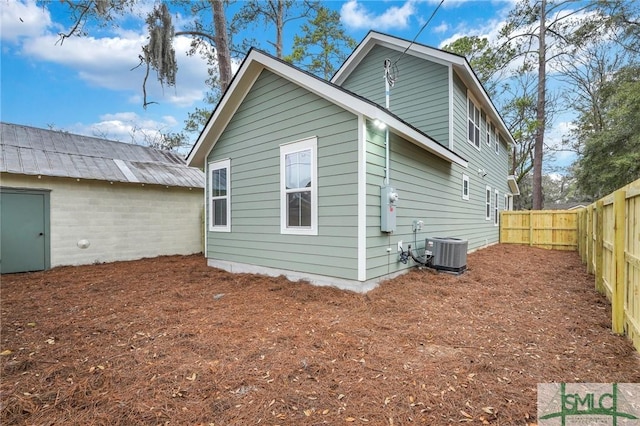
(609, 243)
(607, 237)
(549, 229)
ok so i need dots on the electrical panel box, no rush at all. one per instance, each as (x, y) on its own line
(388, 199)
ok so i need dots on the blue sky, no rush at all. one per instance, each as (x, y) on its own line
(86, 85)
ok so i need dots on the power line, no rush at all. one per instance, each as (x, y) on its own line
(421, 29)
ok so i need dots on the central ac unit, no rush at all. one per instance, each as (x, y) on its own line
(448, 253)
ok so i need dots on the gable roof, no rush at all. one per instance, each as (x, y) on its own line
(256, 61)
(457, 62)
(33, 151)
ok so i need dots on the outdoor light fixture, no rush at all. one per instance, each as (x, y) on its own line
(482, 172)
(379, 124)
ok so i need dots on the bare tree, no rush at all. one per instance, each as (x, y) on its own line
(540, 109)
(277, 13)
(539, 32)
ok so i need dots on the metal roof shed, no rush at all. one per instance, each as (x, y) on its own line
(70, 199)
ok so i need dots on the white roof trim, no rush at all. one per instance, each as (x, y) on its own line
(249, 71)
(459, 63)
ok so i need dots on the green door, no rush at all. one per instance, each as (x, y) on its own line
(24, 240)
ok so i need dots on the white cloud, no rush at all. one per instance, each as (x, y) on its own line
(553, 140)
(109, 62)
(489, 29)
(559, 131)
(100, 61)
(19, 20)
(355, 15)
(104, 62)
(442, 28)
(127, 127)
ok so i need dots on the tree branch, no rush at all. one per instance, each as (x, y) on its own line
(143, 60)
(63, 36)
(198, 34)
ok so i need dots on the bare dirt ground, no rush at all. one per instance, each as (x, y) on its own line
(172, 341)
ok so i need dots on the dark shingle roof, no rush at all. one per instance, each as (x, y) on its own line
(34, 151)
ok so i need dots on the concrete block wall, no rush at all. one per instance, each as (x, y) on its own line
(121, 221)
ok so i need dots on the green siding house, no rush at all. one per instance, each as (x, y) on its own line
(300, 170)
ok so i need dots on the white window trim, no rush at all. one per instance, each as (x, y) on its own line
(497, 140)
(496, 209)
(478, 124)
(289, 148)
(508, 202)
(217, 165)
(465, 178)
(487, 205)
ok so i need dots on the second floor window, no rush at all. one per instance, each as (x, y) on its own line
(474, 124)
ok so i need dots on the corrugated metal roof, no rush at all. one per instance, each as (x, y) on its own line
(34, 151)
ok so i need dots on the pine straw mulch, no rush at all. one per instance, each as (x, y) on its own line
(172, 341)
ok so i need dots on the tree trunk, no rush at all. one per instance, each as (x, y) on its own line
(540, 113)
(222, 44)
(279, 25)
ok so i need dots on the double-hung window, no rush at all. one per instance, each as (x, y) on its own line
(508, 199)
(496, 212)
(473, 113)
(298, 188)
(219, 196)
(488, 204)
(488, 132)
(495, 138)
(465, 187)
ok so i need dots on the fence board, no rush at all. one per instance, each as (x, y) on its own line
(609, 233)
(607, 237)
(632, 264)
(549, 229)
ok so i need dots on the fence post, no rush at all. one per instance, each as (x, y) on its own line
(583, 235)
(580, 229)
(589, 238)
(599, 245)
(530, 227)
(618, 286)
